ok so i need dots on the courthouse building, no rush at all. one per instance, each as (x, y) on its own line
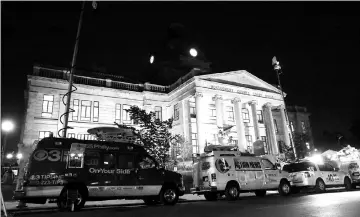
(201, 105)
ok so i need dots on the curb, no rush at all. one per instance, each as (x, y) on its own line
(15, 211)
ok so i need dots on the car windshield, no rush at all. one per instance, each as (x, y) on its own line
(298, 167)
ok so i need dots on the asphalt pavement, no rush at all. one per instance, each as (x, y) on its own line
(333, 203)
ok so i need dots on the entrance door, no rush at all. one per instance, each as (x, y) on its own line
(149, 177)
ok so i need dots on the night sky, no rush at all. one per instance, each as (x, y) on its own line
(317, 44)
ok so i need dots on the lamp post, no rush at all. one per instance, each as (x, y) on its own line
(277, 68)
(6, 127)
(72, 72)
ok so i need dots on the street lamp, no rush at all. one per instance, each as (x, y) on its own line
(193, 52)
(6, 126)
(278, 70)
(9, 156)
(152, 58)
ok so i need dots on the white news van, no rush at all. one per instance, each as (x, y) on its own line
(225, 172)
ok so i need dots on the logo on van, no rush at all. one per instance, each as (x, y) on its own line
(222, 165)
(111, 171)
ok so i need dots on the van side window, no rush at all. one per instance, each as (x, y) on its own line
(267, 164)
(109, 161)
(255, 165)
(146, 163)
(76, 160)
(241, 165)
(92, 158)
(126, 161)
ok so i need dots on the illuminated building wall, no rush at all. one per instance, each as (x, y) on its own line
(200, 105)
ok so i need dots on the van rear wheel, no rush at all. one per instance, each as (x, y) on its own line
(232, 192)
(63, 203)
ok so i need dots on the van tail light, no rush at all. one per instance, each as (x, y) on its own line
(213, 177)
(307, 174)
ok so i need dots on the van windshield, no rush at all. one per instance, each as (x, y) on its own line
(298, 167)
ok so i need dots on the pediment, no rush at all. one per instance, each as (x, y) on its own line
(240, 78)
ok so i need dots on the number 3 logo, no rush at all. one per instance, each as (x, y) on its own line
(53, 155)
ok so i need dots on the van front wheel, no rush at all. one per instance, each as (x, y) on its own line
(169, 195)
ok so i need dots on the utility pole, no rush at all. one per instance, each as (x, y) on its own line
(277, 68)
(72, 72)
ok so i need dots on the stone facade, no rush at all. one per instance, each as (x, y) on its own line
(201, 105)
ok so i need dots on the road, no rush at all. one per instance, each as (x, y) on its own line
(330, 204)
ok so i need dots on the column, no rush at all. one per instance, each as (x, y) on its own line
(285, 126)
(240, 128)
(200, 111)
(271, 134)
(255, 120)
(219, 111)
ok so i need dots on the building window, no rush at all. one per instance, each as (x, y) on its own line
(245, 114)
(303, 126)
(158, 113)
(96, 111)
(192, 109)
(176, 112)
(85, 110)
(234, 142)
(194, 143)
(47, 107)
(292, 126)
(126, 114)
(85, 137)
(230, 113)
(259, 115)
(117, 113)
(264, 138)
(276, 126)
(71, 135)
(44, 134)
(75, 114)
(212, 112)
(249, 142)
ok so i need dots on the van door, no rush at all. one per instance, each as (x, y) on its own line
(149, 178)
(249, 173)
(272, 175)
(125, 174)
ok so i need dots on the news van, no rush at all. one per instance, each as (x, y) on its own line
(71, 171)
(222, 171)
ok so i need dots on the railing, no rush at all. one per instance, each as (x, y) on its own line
(64, 75)
(156, 88)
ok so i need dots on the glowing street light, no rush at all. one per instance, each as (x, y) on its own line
(9, 156)
(193, 52)
(152, 58)
(7, 126)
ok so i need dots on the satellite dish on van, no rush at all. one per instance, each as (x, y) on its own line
(114, 134)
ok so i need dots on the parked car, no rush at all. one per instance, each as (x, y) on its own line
(307, 174)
